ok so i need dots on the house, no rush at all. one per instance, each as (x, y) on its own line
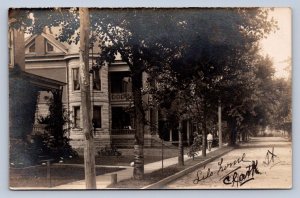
(110, 93)
(24, 88)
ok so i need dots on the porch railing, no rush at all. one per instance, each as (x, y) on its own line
(122, 131)
(126, 96)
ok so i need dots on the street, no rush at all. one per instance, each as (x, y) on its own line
(264, 162)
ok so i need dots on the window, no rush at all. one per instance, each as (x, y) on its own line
(76, 84)
(32, 48)
(96, 79)
(97, 116)
(49, 47)
(77, 117)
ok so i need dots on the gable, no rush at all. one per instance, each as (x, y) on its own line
(44, 44)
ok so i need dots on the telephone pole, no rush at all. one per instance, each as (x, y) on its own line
(89, 152)
(220, 124)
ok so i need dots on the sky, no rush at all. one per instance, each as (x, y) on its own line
(278, 45)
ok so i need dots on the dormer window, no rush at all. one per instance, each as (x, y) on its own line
(32, 48)
(49, 47)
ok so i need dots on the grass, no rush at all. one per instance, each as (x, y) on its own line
(123, 160)
(62, 174)
(37, 176)
(158, 175)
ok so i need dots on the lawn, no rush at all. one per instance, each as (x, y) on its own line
(151, 155)
(123, 160)
(60, 174)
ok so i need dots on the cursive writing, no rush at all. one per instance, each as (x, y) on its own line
(204, 173)
(201, 177)
(234, 178)
(271, 158)
(223, 167)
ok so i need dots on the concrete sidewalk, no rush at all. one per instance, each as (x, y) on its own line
(103, 181)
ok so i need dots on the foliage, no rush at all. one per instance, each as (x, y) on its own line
(55, 142)
(282, 117)
(20, 154)
(196, 146)
(109, 151)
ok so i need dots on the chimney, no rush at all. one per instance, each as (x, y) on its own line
(19, 48)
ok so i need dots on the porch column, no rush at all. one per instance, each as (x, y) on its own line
(171, 136)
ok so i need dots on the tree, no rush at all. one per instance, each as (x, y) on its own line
(169, 96)
(55, 141)
(282, 117)
(219, 64)
(139, 38)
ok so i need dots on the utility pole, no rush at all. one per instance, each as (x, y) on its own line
(89, 152)
(220, 124)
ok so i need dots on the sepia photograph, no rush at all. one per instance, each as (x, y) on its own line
(150, 98)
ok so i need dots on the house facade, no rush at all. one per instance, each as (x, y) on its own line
(110, 93)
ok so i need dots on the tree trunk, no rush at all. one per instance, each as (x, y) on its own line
(244, 136)
(89, 153)
(139, 115)
(220, 125)
(180, 145)
(204, 142)
(232, 127)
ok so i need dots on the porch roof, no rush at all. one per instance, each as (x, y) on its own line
(41, 82)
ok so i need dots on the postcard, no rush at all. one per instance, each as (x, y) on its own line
(150, 98)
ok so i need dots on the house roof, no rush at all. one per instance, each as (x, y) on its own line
(39, 81)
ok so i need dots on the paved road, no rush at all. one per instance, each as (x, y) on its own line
(261, 163)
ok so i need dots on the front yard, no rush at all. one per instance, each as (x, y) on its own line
(36, 176)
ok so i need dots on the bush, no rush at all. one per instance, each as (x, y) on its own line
(109, 151)
(48, 148)
(196, 146)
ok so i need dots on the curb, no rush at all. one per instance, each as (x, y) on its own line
(171, 178)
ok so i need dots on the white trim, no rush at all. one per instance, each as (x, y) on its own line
(28, 41)
(55, 43)
(43, 67)
(47, 57)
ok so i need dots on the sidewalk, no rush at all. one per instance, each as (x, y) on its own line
(103, 181)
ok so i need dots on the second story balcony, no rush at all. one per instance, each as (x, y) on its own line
(120, 87)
